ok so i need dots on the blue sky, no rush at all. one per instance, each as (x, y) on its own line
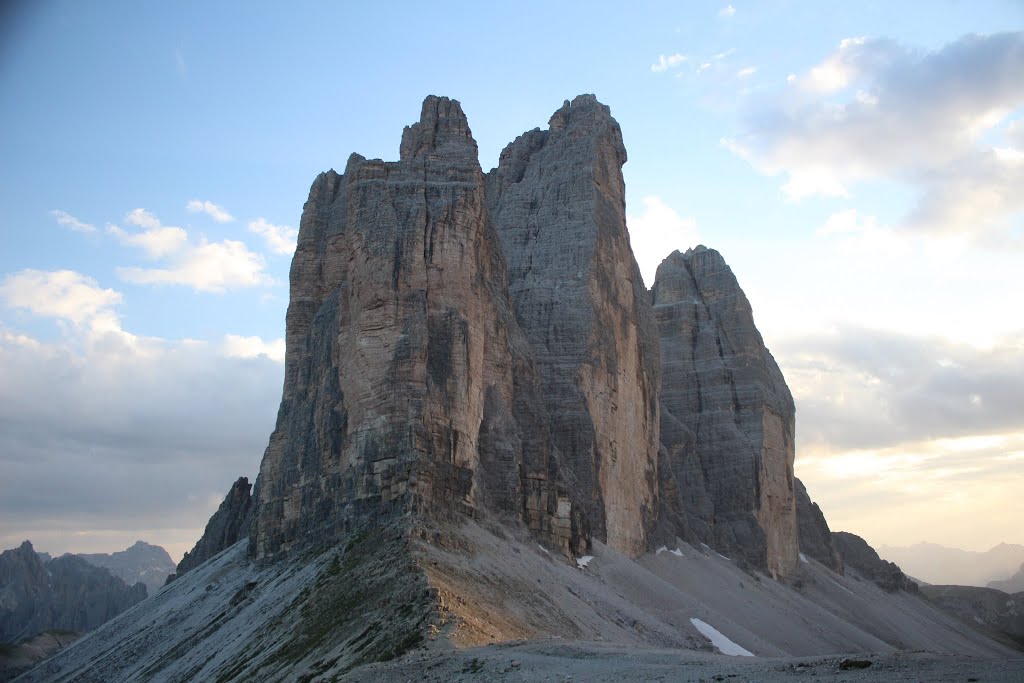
(859, 165)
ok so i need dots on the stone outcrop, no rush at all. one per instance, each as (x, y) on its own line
(990, 610)
(557, 199)
(66, 593)
(229, 524)
(143, 562)
(860, 556)
(815, 536)
(408, 384)
(727, 416)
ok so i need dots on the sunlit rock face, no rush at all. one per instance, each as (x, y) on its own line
(557, 199)
(727, 416)
(408, 384)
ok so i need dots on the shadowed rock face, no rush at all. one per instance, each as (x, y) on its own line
(557, 200)
(815, 536)
(727, 416)
(143, 562)
(228, 524)
(408, 384)
(858, 555)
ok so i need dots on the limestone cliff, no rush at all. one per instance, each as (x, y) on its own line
(228, 524)
(557, 199)
(727, 416)
(408, 384)
(862, 558)
(815, 536)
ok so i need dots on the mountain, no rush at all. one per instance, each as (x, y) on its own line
(991, 611)
(490, 431)
(1014, 584)
(66, 593)
(145, 563)
(940, 565)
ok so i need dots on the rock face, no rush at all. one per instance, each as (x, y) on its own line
(143, 562)
(408, 384)
(727, 416)
(815, 536)
(228, 524)
(557, 199)
(67, 593)
(860, 556)
(987, 609)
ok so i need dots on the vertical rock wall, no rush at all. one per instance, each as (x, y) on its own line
(727, 416)
(408, 384)
(557, 200)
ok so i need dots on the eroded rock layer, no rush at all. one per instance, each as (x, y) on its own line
(815, 536)
(557, 199)
(408, 384)
(727, 416)
(228, 524)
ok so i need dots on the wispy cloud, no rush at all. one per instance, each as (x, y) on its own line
(179, 64)
(727, 12)
(665, 63)
(63, 294)
(204, 266)
(236, 346)
(279, 238)
(656, 232)
(746, 72)
(212, 210)
(877, 109)
(68, 221)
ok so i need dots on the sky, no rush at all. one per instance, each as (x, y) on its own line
(860, 166)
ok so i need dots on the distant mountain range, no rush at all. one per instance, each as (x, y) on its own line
(143, 562)
(937, 564)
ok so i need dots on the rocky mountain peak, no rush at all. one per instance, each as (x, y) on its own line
(442, 129)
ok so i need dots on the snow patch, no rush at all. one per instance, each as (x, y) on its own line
(716, 552)
(544, 550)
(582, 562)
(664, 549)
(803, 558)
(677, 552)
(660, 550)
(724, 645)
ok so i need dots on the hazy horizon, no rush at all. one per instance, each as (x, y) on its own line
(858, 167)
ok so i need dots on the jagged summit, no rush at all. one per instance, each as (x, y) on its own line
(442, 129)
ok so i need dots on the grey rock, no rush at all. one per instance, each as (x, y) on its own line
(143, 562)
(409, 387)
(860, 556)
(66, 593)
(815, 536)
(992, 611)
(727, 417)
(228, 524)
(18, 658)
(557, 199)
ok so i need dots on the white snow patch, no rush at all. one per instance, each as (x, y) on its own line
(803, 558)
(544, 550)
(660, 550)
(716, 552)
(677, 552)
(664, 549)
(582, 562)
(724, 645)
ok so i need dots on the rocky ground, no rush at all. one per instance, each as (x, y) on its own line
(565, 662)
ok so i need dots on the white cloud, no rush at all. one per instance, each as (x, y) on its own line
(727, 12)
(212, 210)
(236, 346)
(656, 232)
(877, 109)
(665, 63)
(745, 72)
(69, 221)
(206, 266)
(280, 238)
(63, 294)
